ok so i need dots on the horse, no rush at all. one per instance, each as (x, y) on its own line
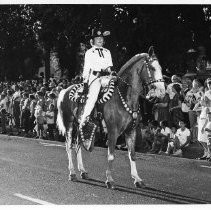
(121, 113)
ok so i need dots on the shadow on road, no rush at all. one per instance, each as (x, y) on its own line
(150, 192)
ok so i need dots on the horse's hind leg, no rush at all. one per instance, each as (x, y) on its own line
(69, 149)
(84, 174)
(130, 140)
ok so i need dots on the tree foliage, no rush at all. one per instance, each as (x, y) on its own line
(29, 32)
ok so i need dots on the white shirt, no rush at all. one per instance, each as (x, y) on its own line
(208, 94)
(209, 127)
(3, 103)
(16, 96)
(96, 61)
(50, 120)
(166, 131)
(182, 135)
(189, 98)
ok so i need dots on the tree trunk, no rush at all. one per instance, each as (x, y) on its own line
(47, 62)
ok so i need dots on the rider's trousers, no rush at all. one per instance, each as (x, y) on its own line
(92, 97)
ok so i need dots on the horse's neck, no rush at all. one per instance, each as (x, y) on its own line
(130, 92)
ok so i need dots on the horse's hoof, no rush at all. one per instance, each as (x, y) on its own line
(140, 184)
(110, 185)
(84, 175)
(73, 178)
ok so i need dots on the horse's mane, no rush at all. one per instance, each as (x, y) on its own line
(129, 63)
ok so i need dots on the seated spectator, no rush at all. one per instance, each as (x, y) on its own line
(172, 144)
(166, 132)
(182, 139)
(157, 138)
(146, 136)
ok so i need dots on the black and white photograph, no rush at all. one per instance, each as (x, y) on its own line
(105, 104)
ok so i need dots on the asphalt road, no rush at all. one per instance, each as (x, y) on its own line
(35, 172)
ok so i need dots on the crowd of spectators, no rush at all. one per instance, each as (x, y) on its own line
(29, 108)
(180, 117)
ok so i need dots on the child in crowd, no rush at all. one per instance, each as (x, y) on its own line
(50, 121)
(39, 123)
(171, 148)
(166, 133)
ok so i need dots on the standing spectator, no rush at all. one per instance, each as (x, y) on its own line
(175, 80)
(3, 107)
(39, 123)
(205, 108)
(32, 112)
(26, 114)
(192, 97)
(208, 131)
(23, 98)
(176, 105)
(10, 111)
(50, 121)
(162, 108)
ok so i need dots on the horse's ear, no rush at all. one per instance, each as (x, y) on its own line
(151, 51)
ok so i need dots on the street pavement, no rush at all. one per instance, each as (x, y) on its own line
(35, 172)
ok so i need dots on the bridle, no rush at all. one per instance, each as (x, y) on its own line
(148, 62)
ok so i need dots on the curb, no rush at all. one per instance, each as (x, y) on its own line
(96, 147)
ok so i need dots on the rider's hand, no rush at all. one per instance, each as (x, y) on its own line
(113, 73)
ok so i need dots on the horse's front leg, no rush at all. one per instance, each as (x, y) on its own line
(130, 140)
(84, 174)
(111, 149)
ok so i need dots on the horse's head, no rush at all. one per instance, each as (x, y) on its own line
(143, 70)
(151, 73)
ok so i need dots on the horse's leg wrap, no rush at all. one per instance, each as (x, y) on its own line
(109, 180)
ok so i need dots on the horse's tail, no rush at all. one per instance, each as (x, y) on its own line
(60, 120)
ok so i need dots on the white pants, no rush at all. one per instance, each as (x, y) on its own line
(92, 97)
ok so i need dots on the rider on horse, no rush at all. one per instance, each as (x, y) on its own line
(96, 70)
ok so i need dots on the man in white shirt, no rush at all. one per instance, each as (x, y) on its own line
(97, 62)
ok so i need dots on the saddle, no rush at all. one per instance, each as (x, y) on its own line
(88, 131)
(76, 93)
